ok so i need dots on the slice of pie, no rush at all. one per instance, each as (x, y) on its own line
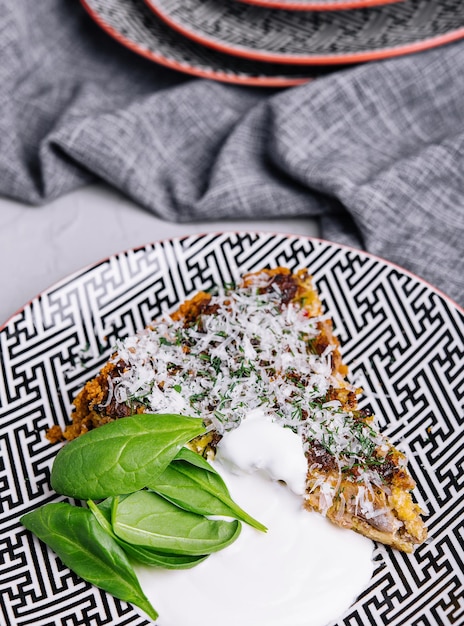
(264, 344)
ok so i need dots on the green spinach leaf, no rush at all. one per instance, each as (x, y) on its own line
(185, 454)
(144, 518)
(122, 456)
(153, 558)
(200, 490)
(102, 512)
(77, 538)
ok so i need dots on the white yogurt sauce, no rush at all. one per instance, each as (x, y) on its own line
(261, 445)
(303, 572)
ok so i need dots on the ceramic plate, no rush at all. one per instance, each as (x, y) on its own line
(133, 24)
(318, 5)
(315, 37)
(405, 346)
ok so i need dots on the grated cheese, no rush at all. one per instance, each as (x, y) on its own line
(250, 353)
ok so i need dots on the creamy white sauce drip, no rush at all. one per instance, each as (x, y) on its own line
(261, 445)
(303, 572)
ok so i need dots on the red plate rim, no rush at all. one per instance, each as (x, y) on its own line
(314, 5)
(191, 69)
(317, 59)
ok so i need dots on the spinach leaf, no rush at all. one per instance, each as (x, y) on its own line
(153, 558)
(102, 512)
(122, 456)
(158, 559)
(200, 490)
(77, 538)
(185, 454)
(147, 519)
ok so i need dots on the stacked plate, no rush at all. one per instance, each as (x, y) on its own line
(276, 42)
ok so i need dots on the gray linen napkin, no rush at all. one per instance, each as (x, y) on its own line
(376, 152)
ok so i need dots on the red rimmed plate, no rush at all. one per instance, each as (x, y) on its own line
(318, 5)
(134, 25)
(301, 37)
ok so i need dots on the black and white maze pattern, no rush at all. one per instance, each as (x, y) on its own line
(403, 341)
(286, 33)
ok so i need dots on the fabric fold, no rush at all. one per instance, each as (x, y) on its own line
(376, 152)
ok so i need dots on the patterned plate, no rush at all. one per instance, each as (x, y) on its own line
(403, 340)
(281, 36)
(318, 5)
(133, 24)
